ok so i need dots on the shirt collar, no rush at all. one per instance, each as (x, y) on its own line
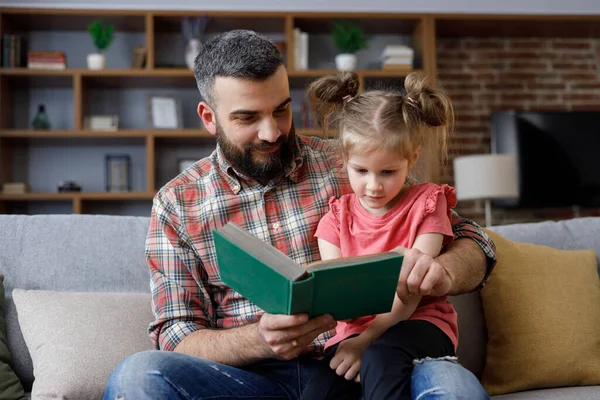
(234, 177)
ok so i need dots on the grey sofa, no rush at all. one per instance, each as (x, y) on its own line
(87, 253)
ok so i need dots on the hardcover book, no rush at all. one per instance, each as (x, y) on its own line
(345, 288)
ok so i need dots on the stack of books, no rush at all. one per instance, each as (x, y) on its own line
(46, 60)
(397, 58)
(13, 49)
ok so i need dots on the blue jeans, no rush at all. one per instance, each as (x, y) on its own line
(168, 375)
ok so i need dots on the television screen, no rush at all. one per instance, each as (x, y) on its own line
(558, 155)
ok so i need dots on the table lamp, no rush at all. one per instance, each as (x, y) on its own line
(486, 177)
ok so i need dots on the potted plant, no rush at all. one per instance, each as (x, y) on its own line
(349, 38)
(102, 36)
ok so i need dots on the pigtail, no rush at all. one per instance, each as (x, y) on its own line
(430, 106)
(329, 94)
(427, 111)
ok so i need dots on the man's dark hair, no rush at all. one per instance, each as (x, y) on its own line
(240, 54)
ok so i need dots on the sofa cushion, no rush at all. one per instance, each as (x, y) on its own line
(77, 339)
(571, 393)
(10, 386)
(541, 310)
(74, 253)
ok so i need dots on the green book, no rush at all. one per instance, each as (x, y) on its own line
(345, 288)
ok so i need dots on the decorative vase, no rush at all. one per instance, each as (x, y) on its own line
(193, 48)
(345, 62)
(96, 61)
(41, 121)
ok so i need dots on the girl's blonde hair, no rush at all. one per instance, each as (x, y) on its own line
(383, 119)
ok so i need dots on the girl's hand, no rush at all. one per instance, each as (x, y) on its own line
(348, 356)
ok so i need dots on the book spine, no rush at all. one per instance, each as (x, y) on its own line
(301, 296)
(6, 51)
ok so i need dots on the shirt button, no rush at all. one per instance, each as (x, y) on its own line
(236, 187)
(276, 225)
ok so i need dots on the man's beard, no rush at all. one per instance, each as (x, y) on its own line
(270, 165)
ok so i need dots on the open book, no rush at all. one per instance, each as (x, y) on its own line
(345, 288)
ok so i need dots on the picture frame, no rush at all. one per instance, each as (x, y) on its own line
(118, 173)
(184, 163)
(164, 111)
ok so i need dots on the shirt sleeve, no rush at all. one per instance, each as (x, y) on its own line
(181, 305)
(465, 228)
(436, 219)
(329, 226)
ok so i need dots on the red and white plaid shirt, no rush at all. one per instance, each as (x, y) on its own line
(187, 292)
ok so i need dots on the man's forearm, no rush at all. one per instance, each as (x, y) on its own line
(466, 264)
(236, 346)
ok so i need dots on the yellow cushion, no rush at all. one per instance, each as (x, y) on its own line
(542, 310)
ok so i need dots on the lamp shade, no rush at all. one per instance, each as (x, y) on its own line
(486, 176)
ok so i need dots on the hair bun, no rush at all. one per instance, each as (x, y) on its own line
(431, 105)
(333, 88)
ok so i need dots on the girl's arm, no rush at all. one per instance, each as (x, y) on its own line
(429, 243)
(328, 251)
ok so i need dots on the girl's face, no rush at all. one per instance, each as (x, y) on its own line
(377, 177)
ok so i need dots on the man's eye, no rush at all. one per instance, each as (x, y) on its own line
(281, 111)
(245, 119)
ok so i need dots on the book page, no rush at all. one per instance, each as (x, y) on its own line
(347, 261)
(264, 252)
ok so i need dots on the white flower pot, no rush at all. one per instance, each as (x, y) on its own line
(345, 62)
(96, 61)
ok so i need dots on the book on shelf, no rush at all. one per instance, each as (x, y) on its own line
(397, 58)
(139, 57)
(13, 49)
(300, 49)
(46, 60)
(345, 288)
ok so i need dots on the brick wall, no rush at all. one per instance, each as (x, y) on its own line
(486, 74)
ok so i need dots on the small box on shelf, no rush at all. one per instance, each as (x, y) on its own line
(15, 188)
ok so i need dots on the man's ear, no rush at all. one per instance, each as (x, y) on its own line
(208, 117)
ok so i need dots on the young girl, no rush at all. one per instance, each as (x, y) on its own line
(381, 135)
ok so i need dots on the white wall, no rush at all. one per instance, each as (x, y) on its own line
(424, 6)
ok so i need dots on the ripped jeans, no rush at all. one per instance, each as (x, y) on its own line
(387, 372)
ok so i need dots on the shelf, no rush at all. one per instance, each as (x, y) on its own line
(374, 23)
(40, 196)
(71, 20)
(174, 73)
(223, 21)
(368, 73)
(123, 133)
(117, 78)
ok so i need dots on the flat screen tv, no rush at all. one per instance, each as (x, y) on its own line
(558, 156)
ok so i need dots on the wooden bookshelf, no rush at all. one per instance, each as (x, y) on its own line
(82, 84)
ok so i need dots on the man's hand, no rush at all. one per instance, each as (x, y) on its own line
(286, 336)
(421, 275)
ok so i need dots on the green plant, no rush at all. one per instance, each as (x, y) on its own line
(101, 36)
(348, 37)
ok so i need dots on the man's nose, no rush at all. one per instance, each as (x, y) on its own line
(269, 131)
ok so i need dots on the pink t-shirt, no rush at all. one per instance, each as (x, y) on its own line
(424, 208)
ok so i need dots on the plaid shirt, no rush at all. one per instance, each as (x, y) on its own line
(187, 292)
